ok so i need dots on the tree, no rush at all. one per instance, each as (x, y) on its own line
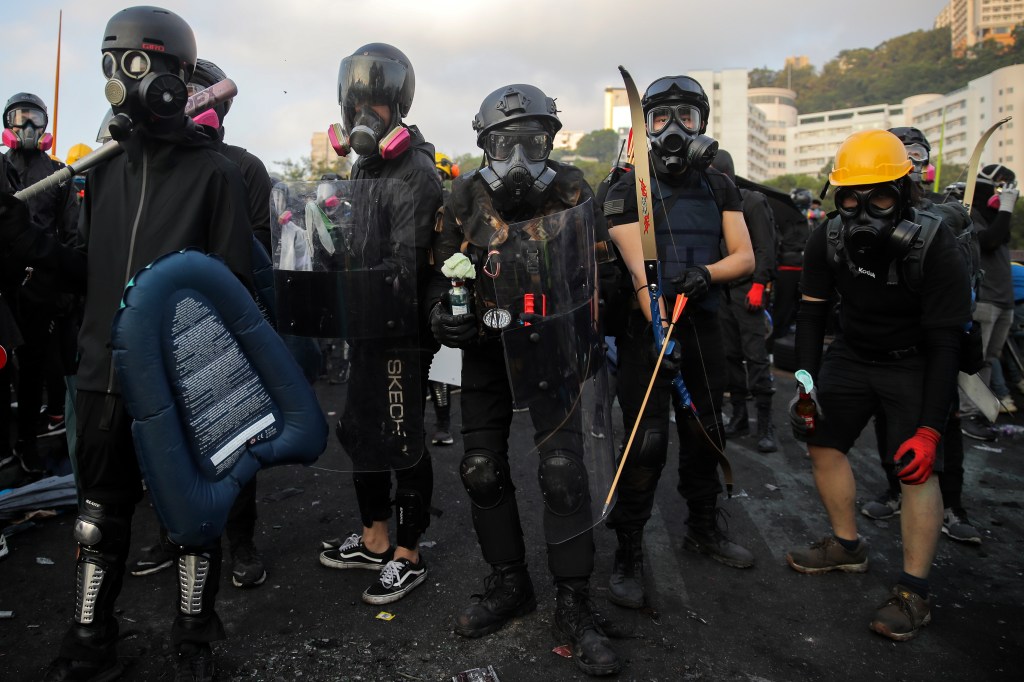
(304, 170)
(602, 145)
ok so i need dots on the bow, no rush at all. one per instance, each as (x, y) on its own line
(642, 171)
(972, 165)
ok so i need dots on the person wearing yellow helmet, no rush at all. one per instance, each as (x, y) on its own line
(898, 352)
(74, 154)
(447, 169)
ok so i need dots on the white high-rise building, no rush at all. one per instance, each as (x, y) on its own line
(974, 21)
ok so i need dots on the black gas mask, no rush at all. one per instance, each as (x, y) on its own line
(365, 129)
(141, 88)
(674, 130)
(517, 168)
(874, 231)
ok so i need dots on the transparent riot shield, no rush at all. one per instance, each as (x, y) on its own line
(540, 281)
(345, 268)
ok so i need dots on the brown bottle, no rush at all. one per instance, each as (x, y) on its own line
(805, 406)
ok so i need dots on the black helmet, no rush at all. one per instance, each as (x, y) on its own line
(25, 100)
(909, 135)
(679, 90)
(516, 102)
(153, 30)
(995, 173)
(801, 197)
(378, 73)
(206, 74)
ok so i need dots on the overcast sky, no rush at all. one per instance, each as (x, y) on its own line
(284, 55)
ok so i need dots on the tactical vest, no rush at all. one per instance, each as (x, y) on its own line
(692, 235)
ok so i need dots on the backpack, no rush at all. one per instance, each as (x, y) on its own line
(954, 218)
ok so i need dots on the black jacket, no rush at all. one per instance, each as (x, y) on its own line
(761, 225)
(162, 195)
(258, 186)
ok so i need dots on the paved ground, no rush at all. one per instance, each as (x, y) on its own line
(705, 622)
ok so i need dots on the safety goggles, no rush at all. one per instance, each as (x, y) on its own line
(880, 202)
(500, 145)
(917, 153)
(134, 64)
(686, 115)
(17, 118)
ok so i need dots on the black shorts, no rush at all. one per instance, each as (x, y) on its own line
(851, 390)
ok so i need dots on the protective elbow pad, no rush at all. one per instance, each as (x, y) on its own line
(485, 477)
(563, 482)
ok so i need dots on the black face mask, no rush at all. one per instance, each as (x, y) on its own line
(142, 94)
(873, 232)
(517, 169)
(679, 149)
(365, 131)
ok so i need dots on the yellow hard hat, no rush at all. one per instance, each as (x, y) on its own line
(445, 165)
(77, 151)
(869, 157)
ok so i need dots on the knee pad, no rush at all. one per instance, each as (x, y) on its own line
(412, 512)
(653, 450)
(563, 482)
(103, 528)
(486, 477)
(102, 532)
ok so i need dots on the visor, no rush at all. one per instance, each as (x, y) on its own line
(17, 118)
(500, 145)
(369, 80)
(686, 115)
(879, 202)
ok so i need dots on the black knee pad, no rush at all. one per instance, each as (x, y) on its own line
(486, 478)
(103, 528)
(652, 451)
(563, 482)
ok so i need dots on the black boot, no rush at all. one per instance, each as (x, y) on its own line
(704, 535)
(738, 424)
(88, 654)
(508, 592)
(574, 621)
(765, 430)
(626, 583)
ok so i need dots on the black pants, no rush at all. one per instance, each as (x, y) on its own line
(743, 335)
(39, 365)
(703, 372)
(486, 422)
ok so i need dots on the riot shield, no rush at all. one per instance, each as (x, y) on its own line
(539, 287)
(345, 268)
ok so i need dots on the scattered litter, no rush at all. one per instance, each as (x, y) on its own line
(564, 651)
(283, 494)
(742, 493)
(408, 676)
(987, 448)
(771, 487)
(332, 413)
(477, 675)
(130, 620)
(428, 543)
(693, 614)
(6, 615)
(44, 561)
(384, 615)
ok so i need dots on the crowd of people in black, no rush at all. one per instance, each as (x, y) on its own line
(888, 285)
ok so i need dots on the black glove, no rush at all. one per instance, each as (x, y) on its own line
(454, 331)
(801, 429)
(671, 362)
(694, 282)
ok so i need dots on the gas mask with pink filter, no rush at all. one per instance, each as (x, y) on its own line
(375, 88)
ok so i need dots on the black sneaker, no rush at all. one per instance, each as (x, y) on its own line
(51, 425)
(398, 578)
(956, 525)
(154, 559)
(247, 566)
(885, 507)
(353, 554)
(195, 663)
(442, 437)
(978, 428)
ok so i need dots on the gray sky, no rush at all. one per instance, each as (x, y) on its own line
(284, 55)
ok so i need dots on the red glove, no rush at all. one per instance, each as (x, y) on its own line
(755, 297)
(916, 457)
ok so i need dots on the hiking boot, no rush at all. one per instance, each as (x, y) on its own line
(902, 615)
(956, 525)
(508, 593)
(626, 582)
(442, 437)
(398, 578)
(195, 663)
(155, 558)
(575, 621)
(828, 555)
(353, 554)
(885, 507)
(247, 568)
(765, 431)
(68, 670)
(739, 424)
(705, 534)
(978, 428)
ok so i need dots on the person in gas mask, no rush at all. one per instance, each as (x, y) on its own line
(695, 210)
(898, 352)
(376, 84)
(169, 190)
(44, 314)
(518, 182)
(247, 568)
